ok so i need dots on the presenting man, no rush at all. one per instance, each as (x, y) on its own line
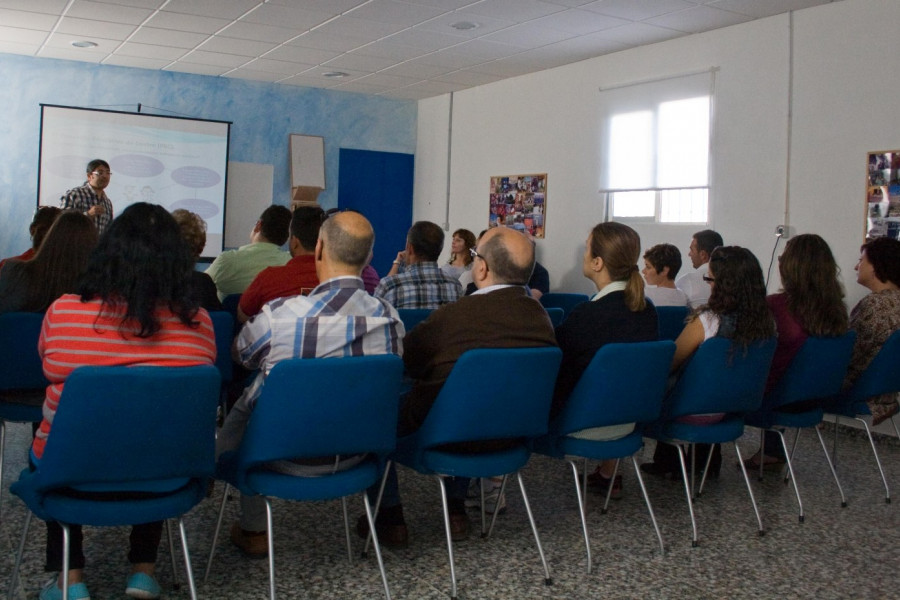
(500, 314)
(90, 198)
(298, 276)
(416, 280)
(694, 285)
(314, 326)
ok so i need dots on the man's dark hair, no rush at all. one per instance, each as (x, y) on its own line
(426, 239)
(275, 224)
(884, 254)
(502, 263)
(661, 256)
(97, 162)
(708, 240)
(305, 225)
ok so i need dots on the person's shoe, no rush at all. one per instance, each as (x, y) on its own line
(601, 485)
(660, 470)
(390, 527)
(459, 526)
(141, 585)
(77, 591)
(252, 543)
(494, 501)
(770, 463)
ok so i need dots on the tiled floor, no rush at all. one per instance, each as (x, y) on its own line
(837, 553)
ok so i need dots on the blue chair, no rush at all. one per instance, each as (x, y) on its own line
(345, 406)
(563, 300)
(556, 315)
(159, 428)
(815, 374)
(413, 316)
(882, 376)
(223, 326)
(671, 321)
(608, 394)
(512, 404)
(22, 381)
(720, 377)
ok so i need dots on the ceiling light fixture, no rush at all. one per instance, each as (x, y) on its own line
(84, 44)
(335, 74)
(464, 25)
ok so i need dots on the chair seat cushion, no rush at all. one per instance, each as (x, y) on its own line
(488, 464)
(560, 446)
(727, 430)
(266, 482)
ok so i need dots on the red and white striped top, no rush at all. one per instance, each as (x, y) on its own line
(76, 334)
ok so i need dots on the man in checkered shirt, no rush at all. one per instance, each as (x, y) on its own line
(416, 280)
(90, 198)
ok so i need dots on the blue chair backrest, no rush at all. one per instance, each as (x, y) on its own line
(223, 325)
(20, 364)
(817, 371)
(314, 407)
(494, 393)
(882, 376)
(624, 383)
(671, 321)
(413, 316)
(722, 377)
(556, 314)
(563, 300)
(132, 427)
(230, 304)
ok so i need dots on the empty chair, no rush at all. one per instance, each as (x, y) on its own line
(721, 377)
(413, 316)
(163, 439)
(607, 395)
(563, 300)
(815, 374)
(882, 376)
(671, 321)
(344, 407)
(513, 404)
(556, 315)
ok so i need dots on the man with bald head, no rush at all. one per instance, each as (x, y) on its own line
(313, 326)
(500, 314)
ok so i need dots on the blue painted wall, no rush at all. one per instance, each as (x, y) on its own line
(263, 116)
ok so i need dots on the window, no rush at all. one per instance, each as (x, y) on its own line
(656, 150)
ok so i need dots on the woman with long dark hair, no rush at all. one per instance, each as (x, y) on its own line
(460, 258)
(134, 306)
(30, 286)
(736, 310)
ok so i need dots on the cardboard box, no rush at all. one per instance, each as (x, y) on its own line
(304, 195)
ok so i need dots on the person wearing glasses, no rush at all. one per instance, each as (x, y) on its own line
(90, 198)
(695, 285)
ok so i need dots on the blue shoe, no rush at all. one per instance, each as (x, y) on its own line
(141, 585)
(77, 591)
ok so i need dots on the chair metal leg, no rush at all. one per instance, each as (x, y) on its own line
(187, 559)
(365, 553)
(640, 478)
(371, 517)
(831, 466)
(790, 466)
(581, 513)
(612, 481)
(762, 530)
(787, 473)
(548, 580)
(271, 539)
(212, 548)
(584, 476)
(687, 491)
(14, 579)
(175, 584)
(347, 529)
(705, 468)
(894, 423)
(65, 565)
(496, 512)
(887, 491)
(449, 539)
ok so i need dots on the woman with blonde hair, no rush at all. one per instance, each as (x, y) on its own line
(618, 312)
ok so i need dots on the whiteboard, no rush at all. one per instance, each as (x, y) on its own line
(307, 161)
(249, 193)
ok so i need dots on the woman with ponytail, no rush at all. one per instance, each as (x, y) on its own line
(618, 312)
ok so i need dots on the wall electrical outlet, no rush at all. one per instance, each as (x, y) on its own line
(783, 231)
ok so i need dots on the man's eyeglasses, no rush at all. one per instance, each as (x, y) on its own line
(474, 254)
(101, 173)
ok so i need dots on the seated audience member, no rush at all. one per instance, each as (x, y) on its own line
(618, 312)
(370, 276)
(134, 306)
(193, 232)
(539, 282)
(44, 217)
(499, 315)
(31, 286)
(661, 264)
(297, 276)
(694, 284)
(313, 326)
(736, 310)
(811, 303)
(233, 270)
(460, 259)
(876, 316)
(416, 280)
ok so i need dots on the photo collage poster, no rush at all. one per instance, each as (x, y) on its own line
(883, 195)
(519, 202)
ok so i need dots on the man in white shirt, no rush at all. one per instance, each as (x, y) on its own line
(661, 265)
(694, 285)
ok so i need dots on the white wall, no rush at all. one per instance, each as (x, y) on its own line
(844, 56)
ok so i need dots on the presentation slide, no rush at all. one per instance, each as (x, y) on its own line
(172, 161)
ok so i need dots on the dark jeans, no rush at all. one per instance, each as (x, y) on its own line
(144, 544)
(667, 456)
